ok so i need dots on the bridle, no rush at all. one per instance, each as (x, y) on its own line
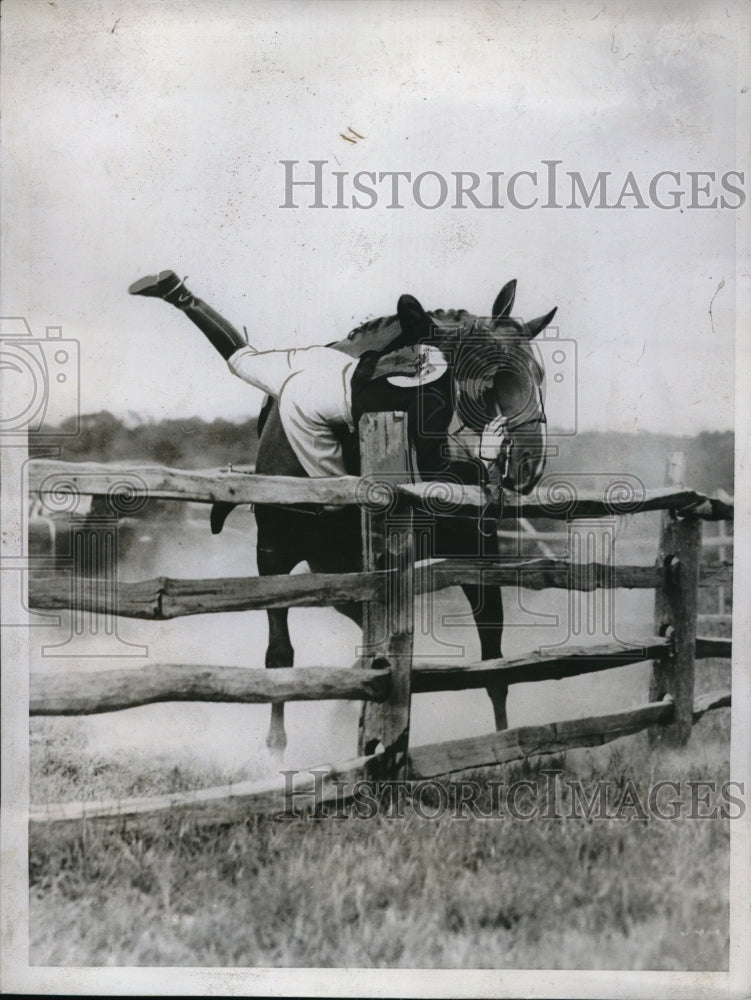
(508, 439)
(514, 424)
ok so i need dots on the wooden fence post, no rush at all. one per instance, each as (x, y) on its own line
(388, 621)
(676, 606)
(722, 553)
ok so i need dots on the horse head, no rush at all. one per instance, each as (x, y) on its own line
(496, 372)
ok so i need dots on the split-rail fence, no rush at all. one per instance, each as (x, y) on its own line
(385, 676)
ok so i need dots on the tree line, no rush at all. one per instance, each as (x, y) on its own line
(196, 443)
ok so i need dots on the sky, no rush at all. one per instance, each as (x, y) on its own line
(149, 135)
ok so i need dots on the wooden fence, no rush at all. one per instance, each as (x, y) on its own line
(385, 677)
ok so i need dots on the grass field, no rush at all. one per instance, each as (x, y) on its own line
(621, 893)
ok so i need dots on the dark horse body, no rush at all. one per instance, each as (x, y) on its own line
(491, 367)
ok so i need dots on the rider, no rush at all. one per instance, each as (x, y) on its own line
(323, 392)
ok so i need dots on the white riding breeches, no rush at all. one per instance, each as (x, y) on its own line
(314, 389)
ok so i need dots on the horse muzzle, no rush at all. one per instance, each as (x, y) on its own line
(522, 460)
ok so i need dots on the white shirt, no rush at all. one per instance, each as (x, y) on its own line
(314, 389)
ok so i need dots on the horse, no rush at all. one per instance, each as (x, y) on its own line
(491, 368)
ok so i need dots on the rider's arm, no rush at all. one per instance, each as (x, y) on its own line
(491, 440)
(476, 465)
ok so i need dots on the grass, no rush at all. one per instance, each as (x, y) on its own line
(411, 892)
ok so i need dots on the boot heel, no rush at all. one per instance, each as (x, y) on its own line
(157, 285)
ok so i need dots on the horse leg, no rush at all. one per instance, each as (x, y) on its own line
(337, 550)
(279, 652)
(487, 610)
(486, 603)
(351, 610)
(461, 537)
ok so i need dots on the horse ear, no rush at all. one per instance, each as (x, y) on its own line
(504, 303)
(413, 319)
(534, 326)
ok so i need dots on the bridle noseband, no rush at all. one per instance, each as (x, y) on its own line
(514, 424)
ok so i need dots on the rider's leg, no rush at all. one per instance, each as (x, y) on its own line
(312, 384)
(168, 286)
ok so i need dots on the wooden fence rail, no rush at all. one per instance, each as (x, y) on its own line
(124, 483)
(163, 597)
(79, 693)
(86, 693)
(385, 676)
(327, 783)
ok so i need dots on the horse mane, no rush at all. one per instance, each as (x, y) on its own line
(385, 333)
(448, 316)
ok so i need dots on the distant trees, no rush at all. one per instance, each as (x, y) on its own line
(196, 443)
(712, 454)
(189, 443)
(597, 454)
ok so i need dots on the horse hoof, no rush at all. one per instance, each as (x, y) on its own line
(277, 744)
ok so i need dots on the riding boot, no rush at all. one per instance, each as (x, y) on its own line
(168, 286)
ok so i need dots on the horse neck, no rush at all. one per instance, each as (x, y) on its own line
(450, 332)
